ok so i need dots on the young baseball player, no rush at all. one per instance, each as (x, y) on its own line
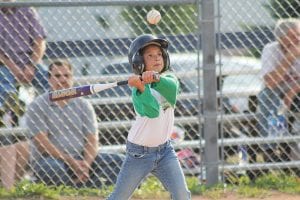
(148, 148)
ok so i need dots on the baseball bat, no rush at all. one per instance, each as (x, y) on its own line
(85, 90)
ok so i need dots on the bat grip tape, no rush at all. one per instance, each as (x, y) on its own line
(155, 76)
(122, 82)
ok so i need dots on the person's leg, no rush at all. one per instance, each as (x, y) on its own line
(169, 172)
(105, 169)
(136, 166)
(52, 172)
(23, 154)
(267, 101)
(10, 104)
(8, 164)
(7, 84)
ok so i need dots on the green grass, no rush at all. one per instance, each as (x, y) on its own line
(152, 188)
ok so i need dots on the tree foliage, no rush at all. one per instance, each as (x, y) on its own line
(284, 8)
(176, 19)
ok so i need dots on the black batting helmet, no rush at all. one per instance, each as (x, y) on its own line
(136, 59)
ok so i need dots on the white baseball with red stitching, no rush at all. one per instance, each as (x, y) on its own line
(153, 17)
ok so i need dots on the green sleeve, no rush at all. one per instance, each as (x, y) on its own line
(168, 87)
(145, 103)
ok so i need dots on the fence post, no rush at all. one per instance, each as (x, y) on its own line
(211, 154)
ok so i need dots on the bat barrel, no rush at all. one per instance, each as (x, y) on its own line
(70, 93)
(85, 90)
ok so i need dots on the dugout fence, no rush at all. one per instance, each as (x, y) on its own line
(215, 48)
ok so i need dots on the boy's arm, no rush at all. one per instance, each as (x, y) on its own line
(168, 87)
(44, 145)
(145, 103)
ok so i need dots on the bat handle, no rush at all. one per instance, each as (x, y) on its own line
(155, 76)
(122, 82)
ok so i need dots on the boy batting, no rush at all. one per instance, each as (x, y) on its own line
(148, 148)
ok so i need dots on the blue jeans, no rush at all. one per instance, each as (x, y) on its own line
(8, 82)
(160, 161)
(105, 169)
(268, 100)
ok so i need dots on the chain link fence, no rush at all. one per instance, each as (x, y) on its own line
(94, 36)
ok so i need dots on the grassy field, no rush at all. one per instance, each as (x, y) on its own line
(270, 186)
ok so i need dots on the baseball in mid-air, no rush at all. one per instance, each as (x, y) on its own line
(153, 17)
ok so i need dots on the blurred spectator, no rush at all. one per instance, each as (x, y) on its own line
(280, 73)
(65, 138)
(225, 106)
(22, 46)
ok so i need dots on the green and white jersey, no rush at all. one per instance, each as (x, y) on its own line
(155, 112)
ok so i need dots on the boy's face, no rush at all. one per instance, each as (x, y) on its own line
(153, 58)
(292, 37)
(61, 77)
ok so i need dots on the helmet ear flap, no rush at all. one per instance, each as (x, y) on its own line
(166, 59)
(138, 64)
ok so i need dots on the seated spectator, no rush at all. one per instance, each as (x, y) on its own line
(280, 73)
(22, 46)
(225, 106)
(65, 138)
(292, 100)
(14, 151)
